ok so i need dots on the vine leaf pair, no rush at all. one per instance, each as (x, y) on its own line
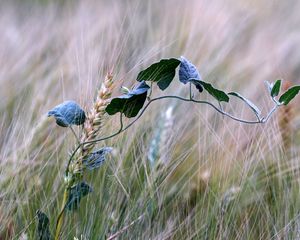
(286, 97)
(162, 73)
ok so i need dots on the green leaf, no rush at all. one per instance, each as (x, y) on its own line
(276, 88)
(216, 93)
(43, 231)
(77, 192)
(161, 72)
(247, 101)
(131, 103)
(289, 95)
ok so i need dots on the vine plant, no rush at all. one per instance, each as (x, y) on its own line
(133, 104)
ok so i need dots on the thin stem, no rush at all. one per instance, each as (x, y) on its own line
(74, 133)
(220, 106)
(115, 235)
(257, 116)
(276, 101)
(151, 85)
(270, 114)
(122, 129)
(191, 93)
(60, 219)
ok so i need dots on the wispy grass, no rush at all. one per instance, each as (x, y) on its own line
(217, 179)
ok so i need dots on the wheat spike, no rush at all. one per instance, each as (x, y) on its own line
(94, 121)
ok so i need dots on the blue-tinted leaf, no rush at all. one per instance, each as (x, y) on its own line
(77, 192)
(247, 101)
(43, 231)
(216, 93)
(68, 113)
(97, 158)
(131, 103)
(276, 88)
(289, 95)
(189, 73)
(161, 72)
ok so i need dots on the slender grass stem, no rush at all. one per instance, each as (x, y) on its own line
(74, 133)
(117, 234)
(60, 219)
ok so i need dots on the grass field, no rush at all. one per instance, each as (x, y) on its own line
(183, 171)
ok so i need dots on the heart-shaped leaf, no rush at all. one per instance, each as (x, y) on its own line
(97, 158)
(68, 113)
(43, 231)
(161, 72)
(188, 73)
(276, 88)
(248, 102)
(216, 93)
(131, 103)
(289, 95)
(77, 192)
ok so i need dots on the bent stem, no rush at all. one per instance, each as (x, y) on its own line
(60, 219)
(263, 120)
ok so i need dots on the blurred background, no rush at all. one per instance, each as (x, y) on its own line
(194, 173)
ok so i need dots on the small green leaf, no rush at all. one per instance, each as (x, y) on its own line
(161, 72)
(131, 103)
(286, 97)
(216, 93)
(43, 231)
(77, 192)
(276, 88)
(247, 101)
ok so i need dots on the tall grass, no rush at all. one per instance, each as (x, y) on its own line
(212, 178)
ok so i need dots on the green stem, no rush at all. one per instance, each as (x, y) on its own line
(60, 219)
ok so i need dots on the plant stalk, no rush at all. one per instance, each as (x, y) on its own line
(60, 219)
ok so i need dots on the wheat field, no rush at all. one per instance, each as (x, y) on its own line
(183, 171)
